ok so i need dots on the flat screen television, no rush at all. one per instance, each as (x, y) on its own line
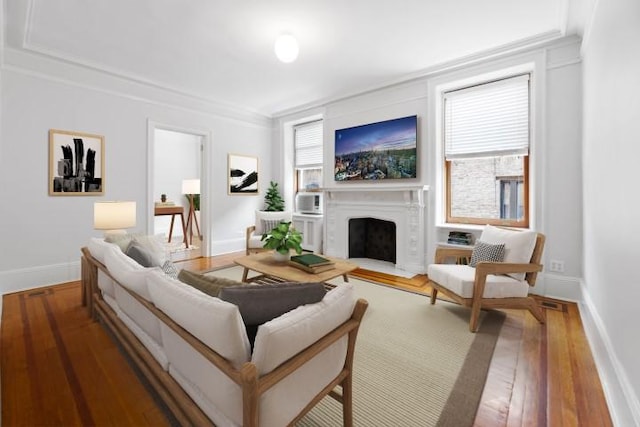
(377, 151)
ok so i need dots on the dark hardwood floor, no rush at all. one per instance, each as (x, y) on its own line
(61, 368)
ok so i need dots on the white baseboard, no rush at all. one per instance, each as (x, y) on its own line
(221, 247)
(566, 288)
(624, 405)
(36, 277)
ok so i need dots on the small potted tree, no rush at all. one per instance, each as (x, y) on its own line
(272, 199)
(282, 239)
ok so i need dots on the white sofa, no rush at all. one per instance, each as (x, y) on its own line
(193, 348)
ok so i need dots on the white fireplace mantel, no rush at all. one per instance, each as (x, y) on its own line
(403, 205)
(375, 188)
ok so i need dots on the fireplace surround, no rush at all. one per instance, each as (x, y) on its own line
(403, 206)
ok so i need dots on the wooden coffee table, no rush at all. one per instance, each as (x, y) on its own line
(264, 263)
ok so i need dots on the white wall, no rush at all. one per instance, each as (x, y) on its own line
(612, 200)
(42, 235)
(556, 163)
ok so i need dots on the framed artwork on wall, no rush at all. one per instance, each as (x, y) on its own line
(76, 163)
(242, 175)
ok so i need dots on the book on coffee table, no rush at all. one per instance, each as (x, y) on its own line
(310, 260)
(313, 270)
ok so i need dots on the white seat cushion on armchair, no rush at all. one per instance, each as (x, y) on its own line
(460, 278)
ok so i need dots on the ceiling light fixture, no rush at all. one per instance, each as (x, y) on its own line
(286, 48)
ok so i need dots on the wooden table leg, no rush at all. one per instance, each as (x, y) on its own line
(245, 273)
(171, 227)
(184, 231)
(345, 277)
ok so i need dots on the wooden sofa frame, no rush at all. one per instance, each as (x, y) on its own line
(183, 408)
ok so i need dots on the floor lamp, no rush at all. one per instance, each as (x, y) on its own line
(191, 187)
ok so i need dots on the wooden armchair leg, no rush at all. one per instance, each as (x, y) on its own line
(535, 310)
(347, 401)
(475, 316)
(434, 294)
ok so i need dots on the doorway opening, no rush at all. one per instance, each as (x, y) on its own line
(176, 184)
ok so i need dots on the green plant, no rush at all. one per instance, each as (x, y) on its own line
(272, 199)
(196, 201)
(283, 238)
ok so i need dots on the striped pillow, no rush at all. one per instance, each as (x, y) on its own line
(270, 224)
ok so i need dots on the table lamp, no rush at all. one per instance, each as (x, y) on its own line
(190, 187)
(114, 217)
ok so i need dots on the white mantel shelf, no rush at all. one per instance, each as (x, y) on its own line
(374, 187)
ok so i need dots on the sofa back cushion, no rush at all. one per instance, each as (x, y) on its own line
(214, 322)
(98, 248)
(283, 337)
(128, 272)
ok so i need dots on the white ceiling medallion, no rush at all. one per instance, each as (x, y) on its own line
(286, 48)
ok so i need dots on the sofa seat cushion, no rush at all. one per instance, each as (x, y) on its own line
(283, 337)
(216, 323)
(460, 279)
(207, 283)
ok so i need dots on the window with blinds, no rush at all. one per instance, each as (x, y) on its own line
(486, 131)
(308, 151)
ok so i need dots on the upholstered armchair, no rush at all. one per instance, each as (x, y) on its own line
(497, 273)
(265, 221)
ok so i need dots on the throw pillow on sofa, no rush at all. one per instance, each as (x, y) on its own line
(141, 255)
(260, 303)
(210, 285)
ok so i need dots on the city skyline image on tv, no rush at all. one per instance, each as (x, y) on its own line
(377, 151)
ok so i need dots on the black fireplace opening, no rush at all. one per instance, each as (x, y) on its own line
(372, 238)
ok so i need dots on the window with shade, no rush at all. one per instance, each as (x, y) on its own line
(307, 139)
(486, 152)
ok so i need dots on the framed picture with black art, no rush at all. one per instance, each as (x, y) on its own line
(76, 163)
(242, 175)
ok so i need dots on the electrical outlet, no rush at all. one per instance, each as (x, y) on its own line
(556, 266)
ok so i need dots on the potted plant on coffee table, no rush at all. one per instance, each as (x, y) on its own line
(282, 239)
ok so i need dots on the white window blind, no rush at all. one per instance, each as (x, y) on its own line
(308, 145)
(487, 120)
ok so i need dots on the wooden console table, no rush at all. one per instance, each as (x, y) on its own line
(173, 211)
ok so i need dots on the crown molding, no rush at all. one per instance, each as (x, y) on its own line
(32, 63)
(535, 42)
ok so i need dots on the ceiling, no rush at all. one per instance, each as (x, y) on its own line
(222, 50)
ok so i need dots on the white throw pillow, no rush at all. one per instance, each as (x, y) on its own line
(518, 245)
(156, 246)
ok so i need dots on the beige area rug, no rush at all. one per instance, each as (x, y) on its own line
(416, 364)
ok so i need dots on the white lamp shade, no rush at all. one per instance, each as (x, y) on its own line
(114, 215)
(191, 186)
(286, 48)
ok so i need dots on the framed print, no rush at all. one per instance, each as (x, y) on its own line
(243, 175)
(76, 163)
